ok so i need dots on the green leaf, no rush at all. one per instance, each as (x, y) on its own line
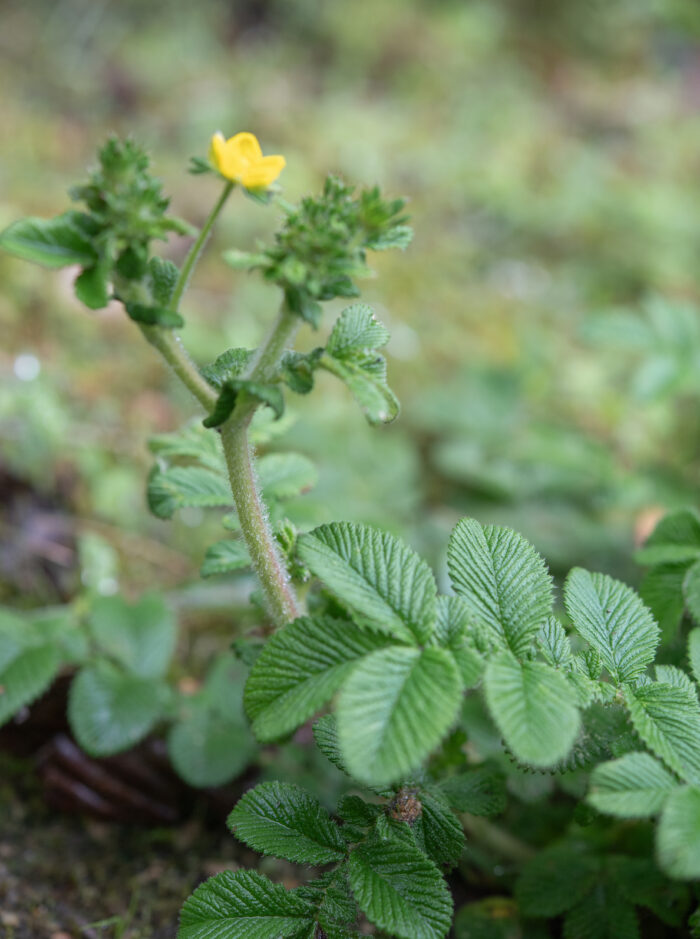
(92, 287)
(325, 732)
(268, 394)
(224, 556)
(355, 811)
(377, 575)
(612, 618)
(164, 277)
(228, 365)
(678, 834)
(55, 242)
(243, 260)
(603, 913)
(140, 636)
(555, 880)
(209, 749)
(503, 579)
(394, 709)
(299, 670)
(662, 591)
(286, 821)
(25, 674)
(154, 315)
(479, 792)
(635, 786)
(534, 708)
(641, 883)
(367, 384)
(246, 905)
(691, 591)
(675, 538)
(441, 833)
(356, 331)
(286, 475)
(186, 486)
(554, 644)
(400, 890)
(191, 442)
(694, 652)
(110, 710)
(667, 718)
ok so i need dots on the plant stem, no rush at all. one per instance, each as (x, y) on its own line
(197, 248)
(252, 514)
(171, 348)
(496, 839)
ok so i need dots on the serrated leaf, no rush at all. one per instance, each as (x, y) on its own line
(208, 749)
(641, 882)
(140, 636)
(366, 381)
(377, 575)
(635, 786)
(151, 315)
(661, 590)
(228, 365)
(300, 669)
(667, 718)
(603, 913)
(24, 675)
(503, 579)
(286, 475)
(400, 890)
(286, 821)
(555, 880)
(191, 442)
(612, 618)
(554, 644)
(55, 242)
(479, 792)
(223, 557)
(179, 487)
(246, 905)
(441, 833)
(534, 708)
(672, 675)
(110, 710)
(356, 331)
(355, 811)
(678, 834)
(325, 732)
(453, 621)
(394, 709)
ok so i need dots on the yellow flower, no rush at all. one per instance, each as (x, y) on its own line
(240, 159)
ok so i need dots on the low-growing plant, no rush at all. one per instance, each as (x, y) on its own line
(443, 710)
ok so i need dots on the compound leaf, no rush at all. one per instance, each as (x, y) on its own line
(140, 636)
(678, 834)
(24, 675)
(555, 880)
(208, 748)
(667, 718)
(55, 242)
(224, 556)
(181, 487)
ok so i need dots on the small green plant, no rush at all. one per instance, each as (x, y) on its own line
(442, 710)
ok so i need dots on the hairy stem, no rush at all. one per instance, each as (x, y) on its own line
(252, 514)
(197, 248)
(171, 348)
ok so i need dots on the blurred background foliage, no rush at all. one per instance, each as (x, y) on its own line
(545, 334)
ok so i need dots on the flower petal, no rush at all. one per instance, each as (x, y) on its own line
(263, 172)
(246, 146)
